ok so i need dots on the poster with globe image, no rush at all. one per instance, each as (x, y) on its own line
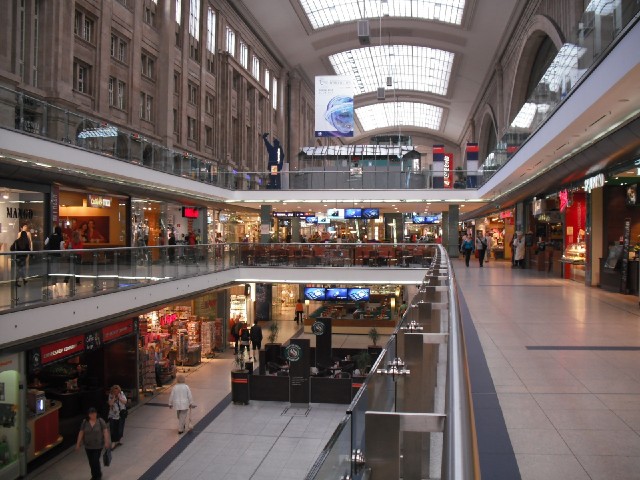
(334, 106)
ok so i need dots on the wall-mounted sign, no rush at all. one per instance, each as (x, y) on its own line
(538, 206)
(62, 349)
(594, 182)
(564, 200)
(98, 201)
(448, 170)
(19, 213)
(506, 214)
(317, 328)
(190, 212)
(117, 330)
(293, 352)
(292, 214)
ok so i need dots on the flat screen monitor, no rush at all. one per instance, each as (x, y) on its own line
(190, 212)
(359, 294)
(323, 220)
(336, 294)
(632, 195)
(421, 219)
(314, 293)
(335, 213)
(353, 213)
(370, 213)
(311, 219)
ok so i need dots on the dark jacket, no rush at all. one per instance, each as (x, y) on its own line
(256, 333)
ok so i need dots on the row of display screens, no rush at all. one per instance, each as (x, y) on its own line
(345, 213)
(337, 294)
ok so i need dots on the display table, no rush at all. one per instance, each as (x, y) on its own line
(45, 430)
(194, 356)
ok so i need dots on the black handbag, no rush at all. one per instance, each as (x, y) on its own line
(106, 457)
(124, 413)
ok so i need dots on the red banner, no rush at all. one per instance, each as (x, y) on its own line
(117, 330)
(448, 170)
(63, 348)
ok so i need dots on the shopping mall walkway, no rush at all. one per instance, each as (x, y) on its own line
(565, 365)
(239, 438)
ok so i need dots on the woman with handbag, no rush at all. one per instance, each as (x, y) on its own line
(117, 414)
(94, 435)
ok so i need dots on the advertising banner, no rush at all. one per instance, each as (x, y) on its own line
(63, 348)
(334, 106)
(448, 170)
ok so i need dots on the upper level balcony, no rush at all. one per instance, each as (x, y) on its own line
(48, 291)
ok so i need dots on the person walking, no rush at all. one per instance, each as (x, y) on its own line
(76, 243)
(21, 246)
(481, 247)
(94, 436)
(245, 340)
(256, 338)
(299, 311)
(117, 415)
(182, 400)
(518, 247)
(172, 247)
(157, 363)
(467, 249)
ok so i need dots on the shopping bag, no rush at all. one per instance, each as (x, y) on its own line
(106, 457)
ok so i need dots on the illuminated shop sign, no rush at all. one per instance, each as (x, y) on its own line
(448, 170)
(594, 182)
(98, 201)
(64, 348)
(190, 212)
(293, 214)
(117, 330)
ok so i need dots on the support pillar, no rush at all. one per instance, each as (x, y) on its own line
(295, 229)
(450, 222)
(265, 223)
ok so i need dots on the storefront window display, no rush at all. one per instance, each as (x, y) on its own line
(11, 416)
(100, 219)
(68, 376)
(19, 208)
(234, 227)
(284, 298)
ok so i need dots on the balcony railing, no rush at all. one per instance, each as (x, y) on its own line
(413, 416)
(63, 275)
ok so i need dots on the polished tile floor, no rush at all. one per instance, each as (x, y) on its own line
(565, 362)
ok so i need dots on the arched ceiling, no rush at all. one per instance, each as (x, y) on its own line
(439, 53)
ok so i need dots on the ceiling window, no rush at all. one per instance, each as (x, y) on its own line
(211, 30)
(267, 79)
(397, 114)
(194, 19)
(274, 94)
(322, 13)
(410, 67)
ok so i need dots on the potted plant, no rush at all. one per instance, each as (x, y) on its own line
(374, 350)
(239, 381)
(272, 348)
(363, 363)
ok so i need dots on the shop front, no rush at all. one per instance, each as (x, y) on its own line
(572, 203)
(152, 221)
(68, 376)
(20, 207)
(101, 220)
(12, 415)
(235, 227)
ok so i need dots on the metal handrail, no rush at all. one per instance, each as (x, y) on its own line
(461, 459)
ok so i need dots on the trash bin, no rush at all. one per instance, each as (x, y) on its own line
(240, 387)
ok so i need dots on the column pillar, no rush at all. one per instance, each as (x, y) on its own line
(295, 229)
(450, 221)
(265, 223)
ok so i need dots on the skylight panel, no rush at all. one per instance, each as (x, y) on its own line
(410, 67)
(564, 66)
(525, 116)
(322, 13)
(396, 114)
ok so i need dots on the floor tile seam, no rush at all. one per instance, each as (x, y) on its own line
(270, 449)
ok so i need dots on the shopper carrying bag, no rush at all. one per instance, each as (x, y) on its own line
(182, 400)
(117, 415)
(94, 435)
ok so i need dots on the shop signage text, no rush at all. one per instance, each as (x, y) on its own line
(19, 213)
(506, 214)
(117, 330)
(97, 201)
(168, 319)
(292, 214)
(63, 348)
(448, 170)
(594, 182)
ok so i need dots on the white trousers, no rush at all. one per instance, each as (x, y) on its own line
(182, 419)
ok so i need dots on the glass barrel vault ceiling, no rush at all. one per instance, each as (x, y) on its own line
(397, 114)
(322, 13)
(412, 68)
